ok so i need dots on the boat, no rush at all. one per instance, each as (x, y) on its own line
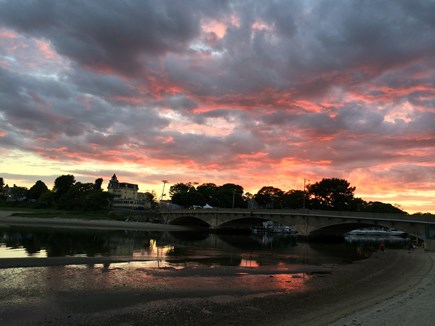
(377, 232)
(270, 227)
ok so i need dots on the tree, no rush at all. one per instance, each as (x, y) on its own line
(333, 194)
(85, 196)
(37, 190)
(185, 194)
(98, 183)
(74, 198)
(293, 199)
(180, 187)
(379, 207)
(2, 189)
(359, 205)
(269, 197)
(17, 193)
(188, 198)
(208, 191)
(96, 199)
(46, 199)
(150, 201)
(229, 195)
(62, 184)
(248, 198)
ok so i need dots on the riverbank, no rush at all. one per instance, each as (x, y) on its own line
(7, 219)
(395, 285)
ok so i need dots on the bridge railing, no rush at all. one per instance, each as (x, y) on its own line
(303, 212)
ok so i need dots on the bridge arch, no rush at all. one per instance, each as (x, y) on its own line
(189, 220)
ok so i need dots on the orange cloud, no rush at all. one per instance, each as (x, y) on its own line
(219, 28)
(8, 34)
(45, 48)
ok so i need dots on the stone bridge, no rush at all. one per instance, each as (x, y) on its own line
(308, 223)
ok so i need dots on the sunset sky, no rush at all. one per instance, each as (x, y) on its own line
(257, 93)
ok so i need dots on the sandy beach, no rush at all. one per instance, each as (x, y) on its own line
(395, 287)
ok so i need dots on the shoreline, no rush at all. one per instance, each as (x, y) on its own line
(7, 219)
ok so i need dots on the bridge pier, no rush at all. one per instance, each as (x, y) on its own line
(429, 239)
(429, 245)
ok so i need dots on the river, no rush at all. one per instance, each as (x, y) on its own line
(67, 269)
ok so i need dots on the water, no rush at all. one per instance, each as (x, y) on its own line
(81, 270)
(181, 247)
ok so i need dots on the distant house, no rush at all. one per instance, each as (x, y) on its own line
(126, 195)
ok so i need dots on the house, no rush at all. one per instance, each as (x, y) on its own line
(126, 195)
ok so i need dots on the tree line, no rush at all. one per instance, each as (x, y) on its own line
(67, 194)
(327, 194)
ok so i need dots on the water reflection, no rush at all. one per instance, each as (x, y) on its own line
(175, 249)
(113, 269)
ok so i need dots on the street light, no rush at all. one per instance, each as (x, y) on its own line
(163, 191)
(305, 193)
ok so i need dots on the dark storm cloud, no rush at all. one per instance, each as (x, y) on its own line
(302, 51)
(344, 83)
(97, 84)
(114, 34)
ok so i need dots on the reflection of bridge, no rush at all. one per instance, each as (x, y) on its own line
(308, 223)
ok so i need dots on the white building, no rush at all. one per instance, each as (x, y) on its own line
(126, 195)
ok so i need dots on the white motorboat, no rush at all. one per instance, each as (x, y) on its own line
(377, 232)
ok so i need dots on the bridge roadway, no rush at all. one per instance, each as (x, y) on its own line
(308, 223)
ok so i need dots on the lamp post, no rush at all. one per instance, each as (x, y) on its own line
(163, 191)
(305, 193)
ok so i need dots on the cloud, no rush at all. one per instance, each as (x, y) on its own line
(245, 89)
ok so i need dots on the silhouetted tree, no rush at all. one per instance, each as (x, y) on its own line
(249, 200)
(46, 200)
(188, 198)
(85, 196)
(37, 190)
(208, 191)
(2, 189)
(379, 207)
(98, 183)
(150, 199)
(62, 184)
(230, 193)
(97, 199)
(17, 193)
(333, 194)
(181, 187)
(359, 205)
(293, 199)
(269, 197)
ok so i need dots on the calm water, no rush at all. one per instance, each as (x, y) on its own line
(156, 266)
(182, 250)
(182, 247)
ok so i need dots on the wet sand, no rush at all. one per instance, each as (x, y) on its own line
(395, 287)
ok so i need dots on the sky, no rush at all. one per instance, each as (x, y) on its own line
(257, 93)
